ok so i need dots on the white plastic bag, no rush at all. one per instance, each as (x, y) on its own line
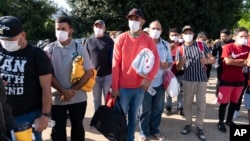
(173, 88)
(144, 62)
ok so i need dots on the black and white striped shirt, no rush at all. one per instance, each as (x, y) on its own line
(194, 71)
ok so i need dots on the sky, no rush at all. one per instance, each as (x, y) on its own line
(62, 3)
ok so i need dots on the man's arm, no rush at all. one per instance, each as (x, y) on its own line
(88, 74)
(46, 92)
(235, 62)
(42, 121)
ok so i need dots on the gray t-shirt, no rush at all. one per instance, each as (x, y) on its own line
(61, 59)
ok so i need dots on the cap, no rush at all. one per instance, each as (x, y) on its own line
(135, 12)
(187, 27)
(99, 22)
(10, 27)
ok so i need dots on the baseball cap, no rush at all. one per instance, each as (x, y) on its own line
(10, 27)
(101, 22)
(135, 12)
(187, 27)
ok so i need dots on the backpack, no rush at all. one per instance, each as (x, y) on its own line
(200, 46)
(78, 72)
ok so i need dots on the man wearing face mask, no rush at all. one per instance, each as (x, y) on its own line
(126, 82)
(153, 105)
(193, 56)
(235, 56)
(100, 48)
(68, 99)
(174, 39)
(27, 71)
(225, 38)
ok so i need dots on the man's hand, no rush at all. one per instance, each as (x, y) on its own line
(41, 123)
(115, 93)
(67, 94)
(164, 65)
(204, 61)
(145, 84)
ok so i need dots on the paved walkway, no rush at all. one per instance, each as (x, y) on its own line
(170, 125)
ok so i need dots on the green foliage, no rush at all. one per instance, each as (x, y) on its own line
(34, 14)
(245, 20)
(209, 16)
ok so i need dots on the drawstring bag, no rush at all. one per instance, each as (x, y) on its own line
(111, 123)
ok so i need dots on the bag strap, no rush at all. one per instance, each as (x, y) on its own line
(74, 55)
(118, 101)
(201, 48)
(164, 44)
(200, 45)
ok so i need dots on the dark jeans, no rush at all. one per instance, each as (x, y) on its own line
(208, 71)
(76, 113)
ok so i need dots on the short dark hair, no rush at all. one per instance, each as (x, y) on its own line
(173, 30)
(64, 19)
(240, 29)
(201, 34)
(225, 31)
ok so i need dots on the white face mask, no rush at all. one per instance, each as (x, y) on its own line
(62, 35)
(174, 38)
(10, 45)
(188, 37)
(98, 32)
(180, 40)
(134, 25)
(242, 41)
(155, 34)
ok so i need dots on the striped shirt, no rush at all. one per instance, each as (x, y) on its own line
(194, 71)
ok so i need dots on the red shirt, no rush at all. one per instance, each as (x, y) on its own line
(233, 73)
(126, 49)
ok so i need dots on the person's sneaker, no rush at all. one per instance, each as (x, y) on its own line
(180, 111)
(169, 109)
(160, 137)
(221, 127)
(186, 129)
(230, 123)
(199, 132)
(236, 114)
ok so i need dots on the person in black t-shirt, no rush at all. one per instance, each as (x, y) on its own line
(225, 38)
(7, 121)
(27, 71)
(100, 48)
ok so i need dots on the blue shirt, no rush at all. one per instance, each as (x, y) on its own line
(164, 52)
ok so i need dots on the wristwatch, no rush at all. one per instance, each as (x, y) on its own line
(46, 114)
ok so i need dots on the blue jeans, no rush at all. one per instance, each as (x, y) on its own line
(130, 100)
(102, 85)
(151, 111)
(30, 118)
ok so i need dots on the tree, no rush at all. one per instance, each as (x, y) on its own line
(209, 16)
(34, 14)
(245, 20)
